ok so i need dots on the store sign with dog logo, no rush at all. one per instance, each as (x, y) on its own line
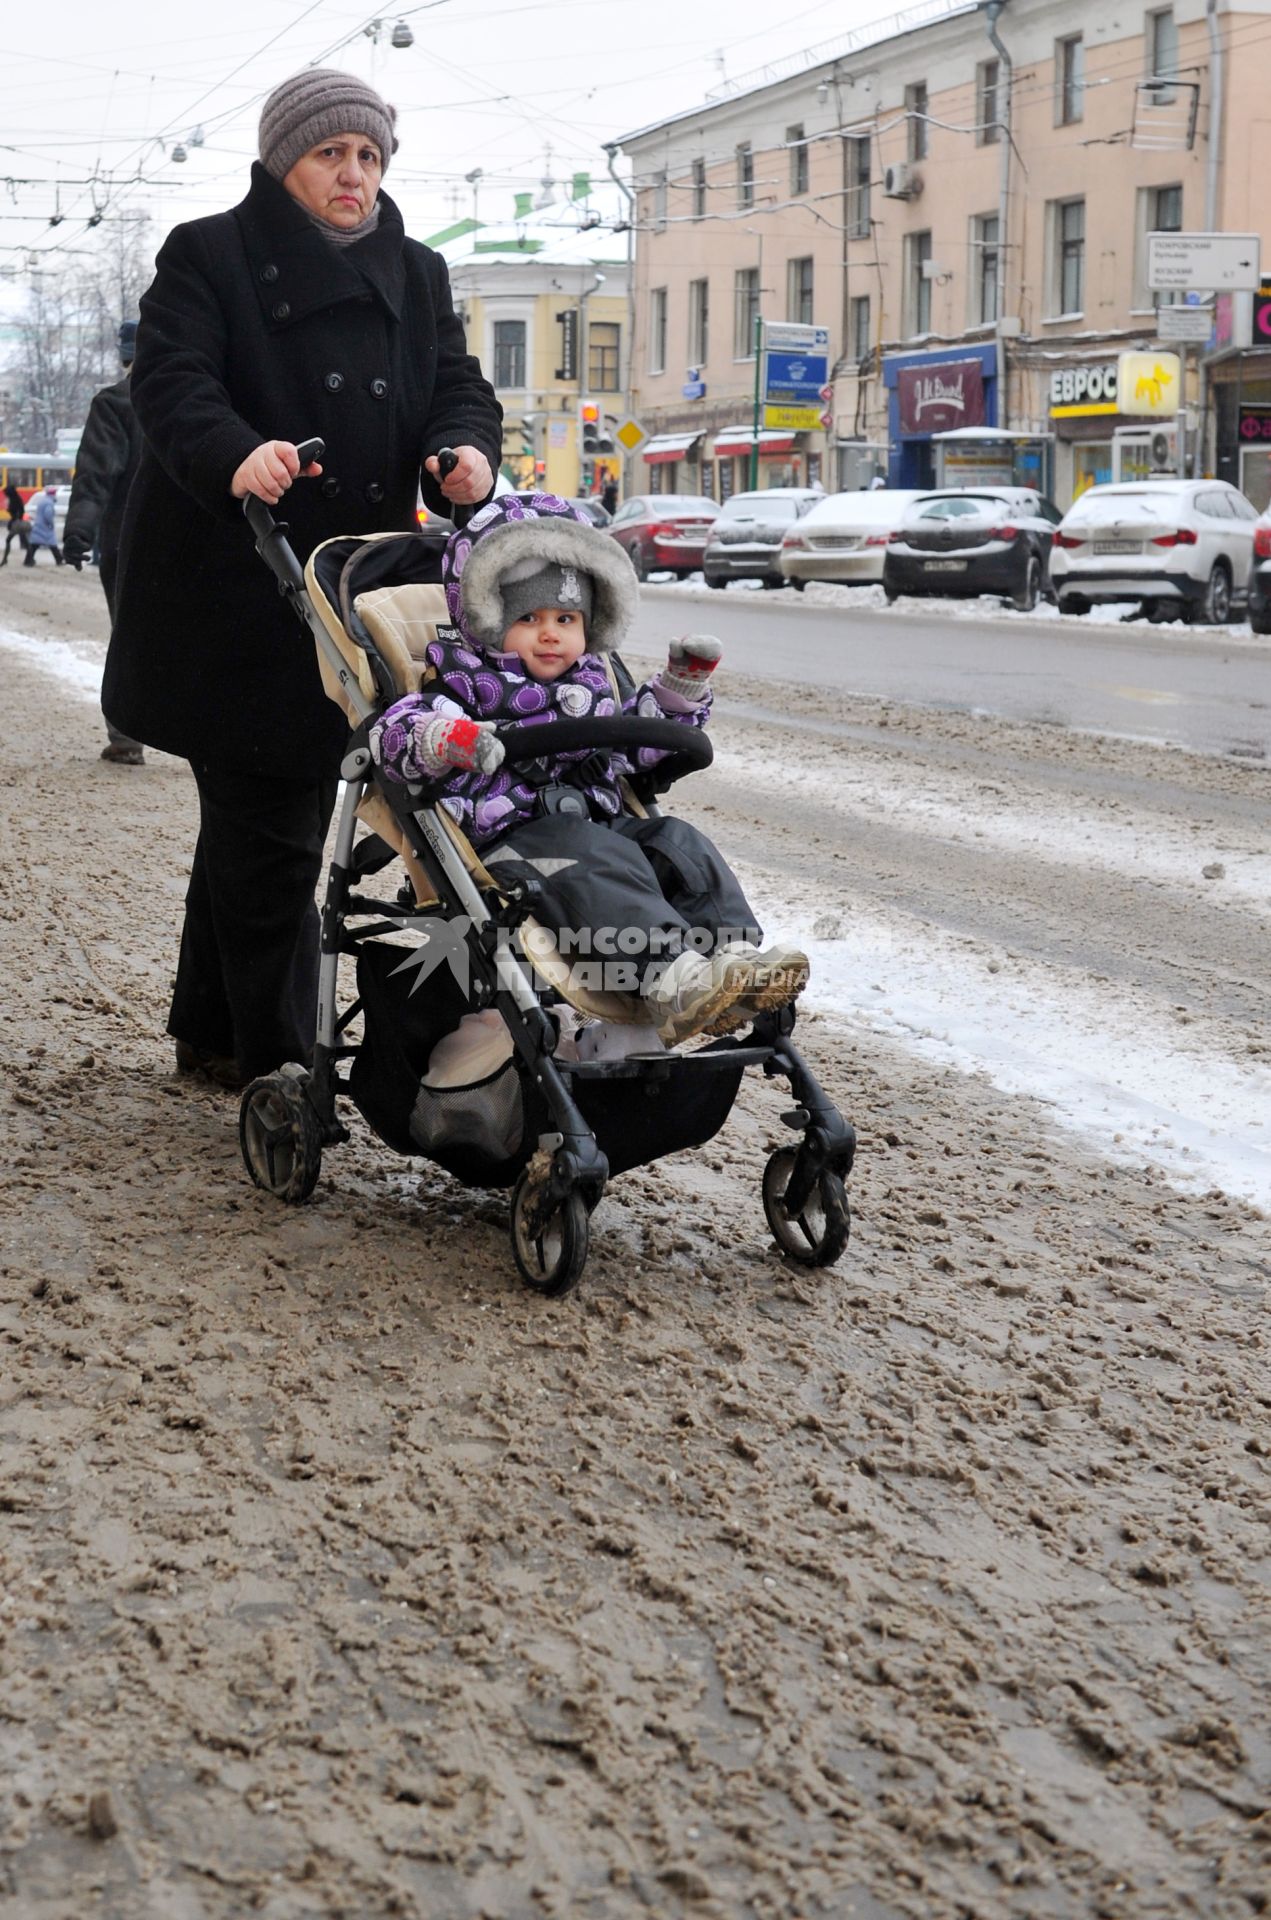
(938, 398)
(1149, 385)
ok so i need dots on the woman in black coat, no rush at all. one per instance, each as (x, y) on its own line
(303, 311)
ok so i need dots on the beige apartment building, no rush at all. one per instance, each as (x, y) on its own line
(962, 197)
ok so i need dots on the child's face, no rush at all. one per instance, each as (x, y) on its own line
(547, 641)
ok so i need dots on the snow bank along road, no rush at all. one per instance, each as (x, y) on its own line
(339, 1576)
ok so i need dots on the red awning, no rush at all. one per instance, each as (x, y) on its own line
(668, 446)
(728, 443)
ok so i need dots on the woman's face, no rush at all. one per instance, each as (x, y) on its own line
(338, 180)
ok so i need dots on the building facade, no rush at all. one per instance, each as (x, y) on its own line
(964, 202)
(545, 309)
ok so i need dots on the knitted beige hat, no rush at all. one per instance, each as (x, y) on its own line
(312, 106)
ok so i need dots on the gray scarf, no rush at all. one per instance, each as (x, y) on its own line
(347, 236)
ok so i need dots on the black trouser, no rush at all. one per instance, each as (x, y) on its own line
(40, 546)
(627, 893)
(19, 530)
(247, 978)
(109, 567)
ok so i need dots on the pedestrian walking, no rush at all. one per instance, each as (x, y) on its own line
(19, 525)
(609, 496)
(43, 528)
(305, 310)
(104, 466)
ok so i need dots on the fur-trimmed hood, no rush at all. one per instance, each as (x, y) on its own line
(510, 531)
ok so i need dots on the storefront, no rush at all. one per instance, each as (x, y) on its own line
(663, 455)
(1239, 376)
(1083, 410)
(930, 393)
(781, 462)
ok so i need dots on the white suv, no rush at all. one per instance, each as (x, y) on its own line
(1180, 547)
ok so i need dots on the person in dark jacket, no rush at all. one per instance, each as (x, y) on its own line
(104, 467)
(19, 527)
(304, 311)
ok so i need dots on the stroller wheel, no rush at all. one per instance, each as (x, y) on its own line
(550, 1249)
(280, 1137)
(817, 1236)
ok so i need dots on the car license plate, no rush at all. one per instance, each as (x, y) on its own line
(1117, 546)
(944, 566)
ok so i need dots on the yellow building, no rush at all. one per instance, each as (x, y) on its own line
(545, 310)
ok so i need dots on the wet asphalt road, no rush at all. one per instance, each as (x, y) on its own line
(1209, 692)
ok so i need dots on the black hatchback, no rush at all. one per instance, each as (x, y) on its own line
(967, 541)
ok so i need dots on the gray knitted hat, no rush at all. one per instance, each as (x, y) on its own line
(529, 585)
(312, 106)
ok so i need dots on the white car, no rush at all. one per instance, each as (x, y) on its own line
(1177, 547)
(845, 537)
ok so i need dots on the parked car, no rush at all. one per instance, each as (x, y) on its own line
(745, 541)
(973, 540)
(844, 537)
(1260, 576)
(592, 509)
(1175, 546)
(664, 532)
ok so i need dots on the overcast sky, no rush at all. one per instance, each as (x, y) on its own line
(99, 88)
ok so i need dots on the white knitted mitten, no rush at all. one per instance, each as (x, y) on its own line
(690, 664)
(452, 740)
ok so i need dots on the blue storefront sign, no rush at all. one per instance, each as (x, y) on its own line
(796, 368)
(912, 462)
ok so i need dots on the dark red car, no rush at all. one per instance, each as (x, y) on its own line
(664, 533)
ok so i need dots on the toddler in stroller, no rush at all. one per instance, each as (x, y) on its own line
(501, 749)
(538, 596)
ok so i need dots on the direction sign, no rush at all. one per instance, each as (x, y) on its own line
(1184, 323)
(1219, 262)
(795, 370)
(630, 435)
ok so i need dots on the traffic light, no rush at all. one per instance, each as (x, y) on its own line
(591, 430)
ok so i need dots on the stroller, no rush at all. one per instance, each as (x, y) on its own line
(482, 980)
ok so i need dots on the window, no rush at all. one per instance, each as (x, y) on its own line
(916, 108)
(799, 291)
(1069, 256)
(798, 160)
(856, 159)
(659, 201)
(1070, 80)
(984, 269)
(699, 322)
(745, 312)
(1162, 51)
(745, 175)
(1165, 215)
(987, 78)
(860, 331)
(699, 189)
(509, 354)
(657, 330)
(603, 344)
(917, 284)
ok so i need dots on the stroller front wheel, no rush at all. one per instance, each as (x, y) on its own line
(816, 1236)
(549, 1246)
(280, 1136)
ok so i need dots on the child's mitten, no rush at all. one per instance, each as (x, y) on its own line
(690, 664)
(452, 740)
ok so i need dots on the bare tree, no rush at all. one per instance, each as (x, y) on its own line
(67, 340)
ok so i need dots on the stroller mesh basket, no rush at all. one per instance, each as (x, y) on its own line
(487, 1116)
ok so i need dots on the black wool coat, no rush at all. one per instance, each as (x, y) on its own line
(256, 327)
(109, 452)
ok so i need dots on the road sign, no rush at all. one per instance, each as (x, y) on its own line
(1218, 262)
(796, 369)
(1184, 323)
(630, 435)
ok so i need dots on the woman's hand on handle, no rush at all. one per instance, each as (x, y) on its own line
(468, 481)
(269, 471)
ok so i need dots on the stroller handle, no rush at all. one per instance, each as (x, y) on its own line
(271, 534)
(689, 748)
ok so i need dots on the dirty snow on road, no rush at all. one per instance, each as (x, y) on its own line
(341, 1578)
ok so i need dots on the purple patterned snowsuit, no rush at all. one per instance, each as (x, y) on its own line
(661, 875)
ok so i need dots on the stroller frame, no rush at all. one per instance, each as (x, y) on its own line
(288, 1117)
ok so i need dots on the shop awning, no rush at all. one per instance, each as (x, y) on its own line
(669, 446)
(732, 440)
